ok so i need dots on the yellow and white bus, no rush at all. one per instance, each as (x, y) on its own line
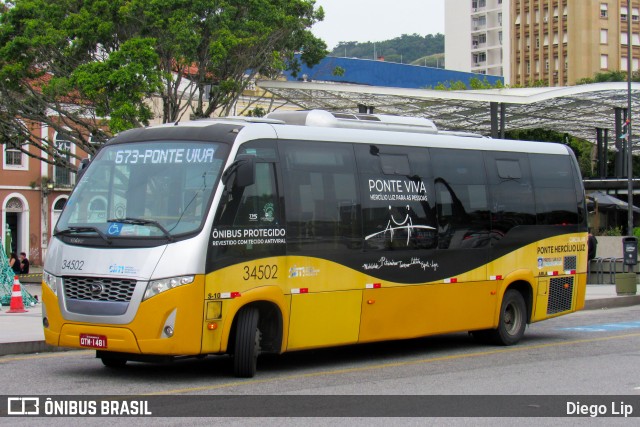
(311, 229)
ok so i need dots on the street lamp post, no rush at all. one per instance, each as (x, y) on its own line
(628, 133)
(46, 187)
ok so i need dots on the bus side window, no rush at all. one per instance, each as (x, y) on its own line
(256, 206)
(461, 199)
(397, 203)
(321, 196)
(259, 203)
(511, 189)
(556, 201)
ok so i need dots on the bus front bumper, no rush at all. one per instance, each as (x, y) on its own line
(145, 334)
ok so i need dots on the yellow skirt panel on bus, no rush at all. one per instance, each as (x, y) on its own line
(414, 311)
(184, 303)
(581, 291)
(237, 285)
(542, 300)
(215, 339)
(524, 276)
(324, 319)
(558, 302)
(53, 314)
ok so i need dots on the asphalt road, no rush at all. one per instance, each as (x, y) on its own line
(585, 353)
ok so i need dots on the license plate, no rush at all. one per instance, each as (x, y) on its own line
(93, 341)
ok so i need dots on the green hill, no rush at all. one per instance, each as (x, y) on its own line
(435, 60)
(405, 49)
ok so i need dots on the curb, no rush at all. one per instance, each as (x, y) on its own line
(30, 278)
(28, 347)
(614, 302)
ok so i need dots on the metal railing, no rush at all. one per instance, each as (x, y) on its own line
(604, 268)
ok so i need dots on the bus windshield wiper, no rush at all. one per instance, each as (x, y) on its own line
(83, 229)
(143, 221)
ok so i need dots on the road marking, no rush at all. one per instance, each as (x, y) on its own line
(388, 365)
(604, 327)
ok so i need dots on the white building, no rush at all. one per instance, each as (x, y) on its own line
(476, 40)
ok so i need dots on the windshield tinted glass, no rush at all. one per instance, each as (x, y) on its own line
(145, 189)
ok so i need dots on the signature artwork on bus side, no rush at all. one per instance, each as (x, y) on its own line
(394, 225)
(415, 261)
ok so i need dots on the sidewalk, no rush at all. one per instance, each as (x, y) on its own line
(22, 332)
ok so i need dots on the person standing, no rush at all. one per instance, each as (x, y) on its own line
(24, 263)
(592, 246)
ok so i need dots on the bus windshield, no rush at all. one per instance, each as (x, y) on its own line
(145, 189)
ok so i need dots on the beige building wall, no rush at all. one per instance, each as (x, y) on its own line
(253, 97)
(558, 42)
(477, 36)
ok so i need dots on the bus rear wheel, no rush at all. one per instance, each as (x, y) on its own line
(513, 319)
(247, 344)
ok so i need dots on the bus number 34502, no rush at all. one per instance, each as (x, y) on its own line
(260, 272)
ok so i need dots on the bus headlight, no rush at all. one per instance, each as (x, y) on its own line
(53, 282)
(156, 287)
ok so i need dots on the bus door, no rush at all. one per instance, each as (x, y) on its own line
(248, 236)
(400, 241)
(323, 233)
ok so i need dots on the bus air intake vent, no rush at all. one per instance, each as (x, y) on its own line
(98, 288)
(346, 116)
(560, 295)
(570, 262)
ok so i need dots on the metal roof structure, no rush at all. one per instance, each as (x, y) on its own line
(577, 110)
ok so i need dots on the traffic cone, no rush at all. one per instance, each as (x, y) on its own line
(16, 305)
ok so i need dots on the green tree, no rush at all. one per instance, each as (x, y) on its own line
(406, 49)
(474, 83)
(581, 148)
(210, 51)
(609, 76)
(70, 63)
(62, 64)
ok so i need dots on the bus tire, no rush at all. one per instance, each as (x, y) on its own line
(113, 362)
(513, 319)
(247, 344)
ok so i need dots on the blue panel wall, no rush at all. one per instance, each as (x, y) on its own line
(380, 73)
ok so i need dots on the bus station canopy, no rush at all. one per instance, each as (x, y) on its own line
(576, 110)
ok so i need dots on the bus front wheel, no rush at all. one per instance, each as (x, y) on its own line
(247, 344)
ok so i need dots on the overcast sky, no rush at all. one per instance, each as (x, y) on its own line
(377, 20)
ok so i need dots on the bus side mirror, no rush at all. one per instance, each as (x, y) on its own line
(241, 173)
(82, 168)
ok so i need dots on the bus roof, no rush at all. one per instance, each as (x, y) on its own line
(296, 125)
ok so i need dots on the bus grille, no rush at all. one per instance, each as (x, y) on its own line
(98, 288)
(570, 262)
(560, 295)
